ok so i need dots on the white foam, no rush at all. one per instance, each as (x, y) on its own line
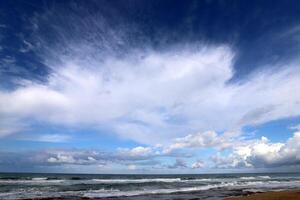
(264, 177)
(39, 179)
(106, 193)
(167, 180)
(31, 182)
(229, 183)
(247, 178)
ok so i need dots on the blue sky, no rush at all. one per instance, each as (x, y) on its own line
(149, 86)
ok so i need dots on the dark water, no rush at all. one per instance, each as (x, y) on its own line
(136, 187)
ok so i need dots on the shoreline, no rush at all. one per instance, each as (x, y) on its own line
(293, 194)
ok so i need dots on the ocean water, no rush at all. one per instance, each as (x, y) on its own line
(140, 187)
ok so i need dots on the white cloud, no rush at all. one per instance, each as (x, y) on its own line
(295, 127)
(10, 126)
(79, 157)
(198, 140)
(99, 79)
(262, 153)
(156, 96)
(74, 157)
(198, 164)
(136, 152)
(132, 167)
(61, 159)
(149, 96)
(47, 137)
(205, 139)
(179, 163)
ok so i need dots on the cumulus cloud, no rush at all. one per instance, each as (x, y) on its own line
(136, 158)
(59, 157)
(179, 163)
(132, 167)
(198, 164)
(74, 157)
(262, 153)
(71, 159)
(137, 153)
(206, 139)
(203, 140)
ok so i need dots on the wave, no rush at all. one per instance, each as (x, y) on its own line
(229, 185)
(256, 177)
(39, 179)
(31, 182)
(247, 178)
(115, 192)
(264, 177)
(110, 181)
(107, 181)
(45, 181)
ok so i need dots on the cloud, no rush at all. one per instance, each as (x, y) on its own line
(198, 164)
(179, 163)
(101, 77)
(132, 167)
(247, 153)
(10, 126)
(118, 95)
(64, 158)
(159, 96)
(138, 156)
(47, 138)
(262, 153)
(199, 140)
(136, 153)
(206, 139)
(295, 127)
(74, 157)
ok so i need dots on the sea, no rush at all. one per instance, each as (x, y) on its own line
(141, 187)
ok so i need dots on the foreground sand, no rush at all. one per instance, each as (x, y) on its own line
(282, 195)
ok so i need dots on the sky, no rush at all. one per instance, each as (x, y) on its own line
(136, 86)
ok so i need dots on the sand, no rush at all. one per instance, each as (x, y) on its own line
(282, 195)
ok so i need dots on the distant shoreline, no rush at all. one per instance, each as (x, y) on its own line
(278, 195)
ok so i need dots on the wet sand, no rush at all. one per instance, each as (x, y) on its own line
(282, 195)
(215, 194)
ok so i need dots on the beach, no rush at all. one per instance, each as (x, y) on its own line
(274, 195)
